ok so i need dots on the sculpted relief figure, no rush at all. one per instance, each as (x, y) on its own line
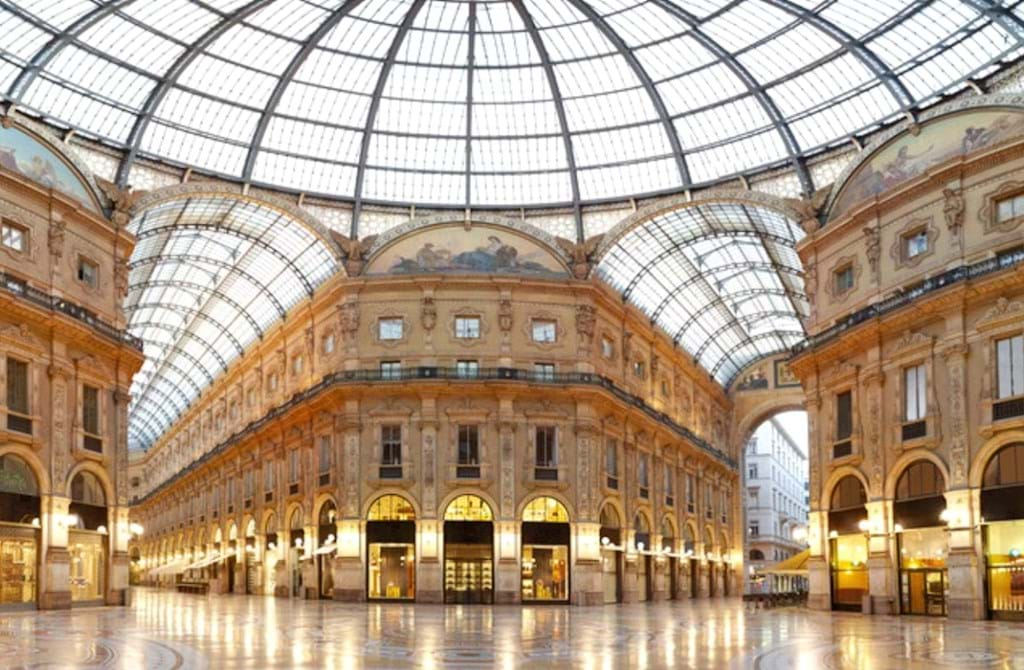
(581, 254)
(122, 200)
(953, 209)
(809, 209)
(356, 252)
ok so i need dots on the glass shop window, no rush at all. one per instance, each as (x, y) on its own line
(915, 405)
(1010, 366)
(544, 331)
(467, 327)
(13, 236)
(390, 328)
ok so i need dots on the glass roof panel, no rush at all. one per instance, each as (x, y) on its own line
(722, 279)
(209, 276)
(283, 92)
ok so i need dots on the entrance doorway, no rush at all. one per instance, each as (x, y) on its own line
(668, 544)
(545, 552)
(468, 552)
(87, 542)
(296, 552)
(19, 534)
(642, 543)
(922, 545)
(325, 549)
(391, 548)
(848, 547)
(611, 555)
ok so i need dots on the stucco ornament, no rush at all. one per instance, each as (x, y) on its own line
(809, 209)
(586, 319)
(580, 254)
(122, 200)
(505, 315)
(953, 208)
(356, 252)
(873, 249)
(428, 314)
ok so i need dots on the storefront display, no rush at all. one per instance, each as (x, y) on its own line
(545, 572)
(923, 580)
(392, 571)
(849, 571)
(1004, 558)
(18, 568)
(468, 552)
(87, 570)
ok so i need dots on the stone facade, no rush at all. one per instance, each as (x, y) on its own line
(923, 278)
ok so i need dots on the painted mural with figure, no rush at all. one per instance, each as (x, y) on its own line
(22, 153)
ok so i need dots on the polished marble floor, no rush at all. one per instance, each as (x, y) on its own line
(168, 630)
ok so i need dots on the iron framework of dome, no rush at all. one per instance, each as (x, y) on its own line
(490, 103)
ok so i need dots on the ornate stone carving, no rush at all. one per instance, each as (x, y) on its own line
(627, 346)
(55, 238)
(1002, 309)
(59, 426)
(121, 273)
(953, 209)
(957, 413)
(348, 319)
(122, 200)
(507, 473)
(586, 319)
(873, 249)
(356, 252)
(808, 209)
(428, 314)
(505, 315)
(911, 339)
(585, 502)
(351, 502)
(429, 457)
(580, 254)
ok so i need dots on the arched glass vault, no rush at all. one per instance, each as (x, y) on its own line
(722, 279)
(490, 103)
(209, 275)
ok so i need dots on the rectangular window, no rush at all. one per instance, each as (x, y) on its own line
(1010, 208)
(611, 458)
(670, 496)
(469, 440)
(391, 445)
(709, 501)
(544, 372)
(544, 452)
(88, 272)
(1010, 366)
(755, 528)
(272, 381)
(389, 329)
(293, 466)
(691, 493)
(248, 484)
(914, 402)
(843, 279)
(844, 415)
(752, 471)
(297, 365)
(17, 396)
(13, 236)
(467, 369)
(391, 370)
(329, 344)
(607, 347)
(915, 243)
(467, 327)
(725, 506)
(643, 474)
(638, 369)
(268, 477)
(326, 454)
(90, 410)
(544, 331)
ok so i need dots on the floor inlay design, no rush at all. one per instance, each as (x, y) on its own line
(164, 630)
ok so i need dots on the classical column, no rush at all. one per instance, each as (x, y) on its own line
(429, 585)
(881, 569)
(819, 595)
(349, 582)
(54, 582)
(117, 584)
(506, 528)
(586, 577)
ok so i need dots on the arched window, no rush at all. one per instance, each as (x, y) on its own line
(270, 527)
(545, 509)
(642, 531)
(756, 555)
(295, 522)
(327, 514)
(391, 508)
(16, 477)
(689, 539)
(921, 479)
(468, 507)
(610, 517)
(87, 490)
(848, 493)
(1006, 468)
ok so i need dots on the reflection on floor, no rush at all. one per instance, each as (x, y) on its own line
(168, 630)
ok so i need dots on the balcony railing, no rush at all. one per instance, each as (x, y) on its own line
(22, 289)
(450, 375)
(937, 283)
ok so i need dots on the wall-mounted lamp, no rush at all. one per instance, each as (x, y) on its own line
(605, 541)
(35, 522)
(864, 525)
(102, 530)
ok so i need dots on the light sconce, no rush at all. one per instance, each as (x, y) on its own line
(605, 541)
(833, 534)
(271, 546)
(640, 546)
(945, 516)
(135, 529)
(897, 528)
(68, 520)
(102, 530)
(864, 525)
(298, 542)
(35, 522)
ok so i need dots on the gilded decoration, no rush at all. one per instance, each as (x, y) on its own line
(897, 251)
(989, 212)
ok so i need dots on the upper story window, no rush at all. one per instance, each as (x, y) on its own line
(611, 460)
(13, 236)
(328, 344)
(544, 330)
(915, 243)
(709, 501)
(691, 493)
(1010, 366)
(272, 381)
(670, 495)
(391, 370)
(643, 474)
(545, 455)
(390, 328)
(268, 477)
(297, 363)
(326, 454)
(607, 347)
(469, 445)
(638, 369)
(250, 397)
(90, 410)
(755, 528)
(844, 415)
(293, 466)
(1010, 208)
(248, 484)
(467, 327)
(725, 506)
(752, 471)
(467, 369)
(664, 388)
(17, 396)
(544, 371)
(88, 272)
(843, 279)
(914, 402)
(391, 444)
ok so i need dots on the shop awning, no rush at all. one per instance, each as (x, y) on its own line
(327, 549)
(172, 568)
(203, 562)
(794, 565)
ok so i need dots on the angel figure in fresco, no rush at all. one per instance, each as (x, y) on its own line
(903, 167)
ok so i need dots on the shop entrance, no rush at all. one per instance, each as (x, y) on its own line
(611, 555)
(545, 551)
(922, 545)
(1002, 489)
(391, 549)
(19, 534)
(87, 542)
(326, 547)
(468, 552)
(848, 548)
(642, 544)
(296, 552)
(668, 545)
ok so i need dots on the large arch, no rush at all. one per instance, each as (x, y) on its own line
(825, 500)
(555, 495)
(483, 495)
(211, 272)
(390, 491)
(100, 474)
(32, 461)
(981, 459)
(906, 460)
(720, 276)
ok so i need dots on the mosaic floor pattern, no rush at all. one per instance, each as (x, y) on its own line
(168, 630)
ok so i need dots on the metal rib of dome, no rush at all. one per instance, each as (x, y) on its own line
(490, 103)
(209, 276)
(723, 279)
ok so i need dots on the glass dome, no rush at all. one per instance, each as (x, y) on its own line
(490, 103)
